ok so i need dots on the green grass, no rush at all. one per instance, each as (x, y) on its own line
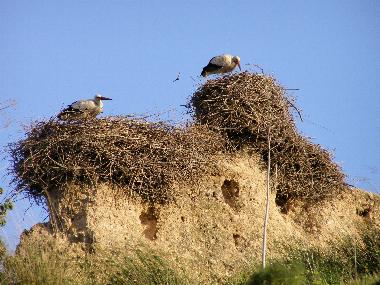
(145, 269)
(278, 274)
(366, 280)
(47, 262)
(36, 265)
(314, 267)
(295, 273)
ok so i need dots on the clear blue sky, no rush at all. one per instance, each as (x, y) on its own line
(55, 52)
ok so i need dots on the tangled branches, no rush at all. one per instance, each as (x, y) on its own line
(231, 112)
(145, 157)
(246, 108)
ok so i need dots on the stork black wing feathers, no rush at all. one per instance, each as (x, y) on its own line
(69, 110)
(210, 68)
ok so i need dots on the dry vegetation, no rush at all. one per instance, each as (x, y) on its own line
(144, 157)
(231, 112)
(49, 260)
(207, 234)
(248, 108)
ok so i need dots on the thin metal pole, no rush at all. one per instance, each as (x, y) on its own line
(264, 250)
(355, 259)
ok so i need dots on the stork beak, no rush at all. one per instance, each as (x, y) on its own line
(239, 65)
(104, 98)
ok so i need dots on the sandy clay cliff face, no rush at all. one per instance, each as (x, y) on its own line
(208, 181)
(213, 228)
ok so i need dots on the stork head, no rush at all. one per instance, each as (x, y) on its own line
(100, 97)
(236, 60)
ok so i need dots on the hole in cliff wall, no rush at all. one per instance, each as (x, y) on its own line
(236, 239)
(365, 212)
(149, 220)
(240, 242)
(283, 202)
(287, 205)
(230, 191)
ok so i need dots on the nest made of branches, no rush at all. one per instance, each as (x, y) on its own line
(248, 109)
(144, 156)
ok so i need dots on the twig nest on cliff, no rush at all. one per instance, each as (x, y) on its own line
(246, 108)
(142, 156)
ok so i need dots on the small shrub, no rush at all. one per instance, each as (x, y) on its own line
(278, 274)
(369, 254)
(6, 206)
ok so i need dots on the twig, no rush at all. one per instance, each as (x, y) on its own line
(179, 73)
(8, 105)
(259, 67)
(298, 111)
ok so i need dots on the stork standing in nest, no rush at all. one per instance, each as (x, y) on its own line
(221, 64)
(83, 109)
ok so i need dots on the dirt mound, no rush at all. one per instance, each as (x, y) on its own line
(248, 109)
(198, 191)
(213, 230)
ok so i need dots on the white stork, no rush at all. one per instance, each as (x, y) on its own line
(83, 108)
(221, 64)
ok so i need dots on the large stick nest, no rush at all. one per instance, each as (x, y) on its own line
(248, 109)
(231, 112)
(146, 157)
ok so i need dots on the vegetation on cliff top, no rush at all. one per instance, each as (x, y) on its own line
(234, 111)
(247, 109)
